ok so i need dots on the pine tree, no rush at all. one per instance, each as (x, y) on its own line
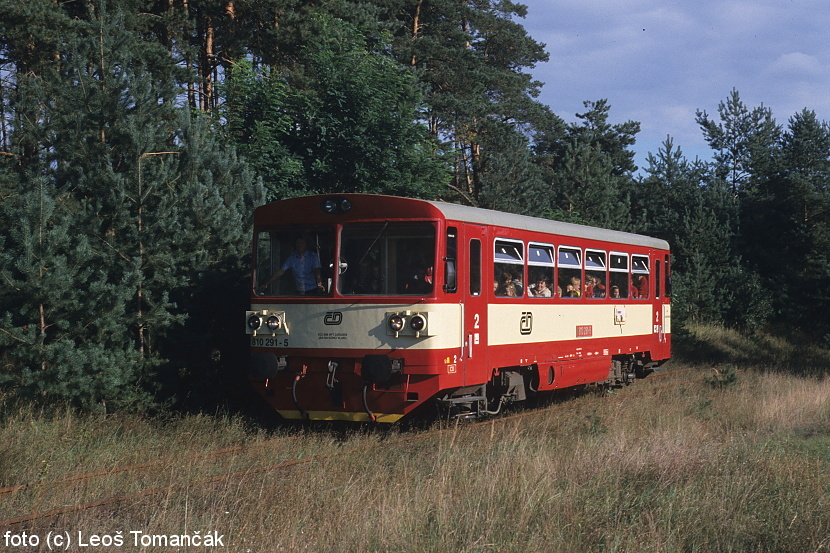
(689, 206)
(744, 141)
(589, 167)
(472, 56)
(511, 180)
(787, 227)
(133, 208)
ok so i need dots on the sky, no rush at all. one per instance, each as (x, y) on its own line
(659, 61)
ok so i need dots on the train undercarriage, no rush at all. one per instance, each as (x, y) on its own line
(517, 384)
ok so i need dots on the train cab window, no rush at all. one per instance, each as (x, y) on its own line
(619, 275)
(639, 277)
(387, 259)
(570, 272)
(294, 262)
(595, 274)
(508, 278)
(540, 270)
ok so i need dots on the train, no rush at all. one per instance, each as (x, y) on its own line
(372, 308)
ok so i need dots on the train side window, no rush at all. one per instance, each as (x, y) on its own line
(570, 272)
(657, 279)
(595, 274)
(508, 278)
(475, 267)
(619, 275)
(639, 277)
(540, 270)
(450, 265)
(668, 275)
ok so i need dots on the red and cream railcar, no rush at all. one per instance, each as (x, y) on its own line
(424, 302)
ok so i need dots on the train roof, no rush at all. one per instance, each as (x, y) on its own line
(297, 209)
(511, 220)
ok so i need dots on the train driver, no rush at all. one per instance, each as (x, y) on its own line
(305, 268)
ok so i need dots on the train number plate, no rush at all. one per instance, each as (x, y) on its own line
(584, 331)
(269, 342)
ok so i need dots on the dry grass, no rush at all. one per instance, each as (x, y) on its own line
(700, 343)
(655, 468)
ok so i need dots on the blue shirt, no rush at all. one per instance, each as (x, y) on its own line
(302, 269)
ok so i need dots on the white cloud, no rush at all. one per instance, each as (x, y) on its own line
(798, 65)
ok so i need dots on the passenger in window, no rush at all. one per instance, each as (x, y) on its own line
(541, 289)
(640, 285)
(418, 274)
(590, 281)
(518, 285)
(367, 280)
(615, 291)
(505, 286)
(598, 287)
(574, 289)
(305, 268)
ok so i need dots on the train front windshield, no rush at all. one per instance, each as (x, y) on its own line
(390, 259)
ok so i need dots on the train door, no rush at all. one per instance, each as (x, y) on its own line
(662, 308)
(475, 297)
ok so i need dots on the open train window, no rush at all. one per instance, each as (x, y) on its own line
(508, 278)
(540, 270)
(619, 278)
(294, 261)
(570, 272)
(639, 277)
(595, 274)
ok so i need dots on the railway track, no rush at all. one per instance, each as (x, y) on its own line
(42, 518)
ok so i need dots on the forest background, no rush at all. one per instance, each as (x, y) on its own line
(137, 137)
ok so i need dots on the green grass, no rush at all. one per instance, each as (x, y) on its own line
(672, 463)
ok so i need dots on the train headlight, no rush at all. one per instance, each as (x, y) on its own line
(266, 321)
(407, 323)
(254, 322)
(273, 323)
(396, 323)
(418, 322)
(335, 205)
(329, 205)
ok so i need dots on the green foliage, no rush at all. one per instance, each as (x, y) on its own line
(124, 208)
(688, 205)
(472, 57)
(744, 141)
(590, 167)
(349, 125)
(787, 225)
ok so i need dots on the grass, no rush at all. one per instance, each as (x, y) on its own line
(671, 464)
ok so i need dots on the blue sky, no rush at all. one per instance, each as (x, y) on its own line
(657, 62)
